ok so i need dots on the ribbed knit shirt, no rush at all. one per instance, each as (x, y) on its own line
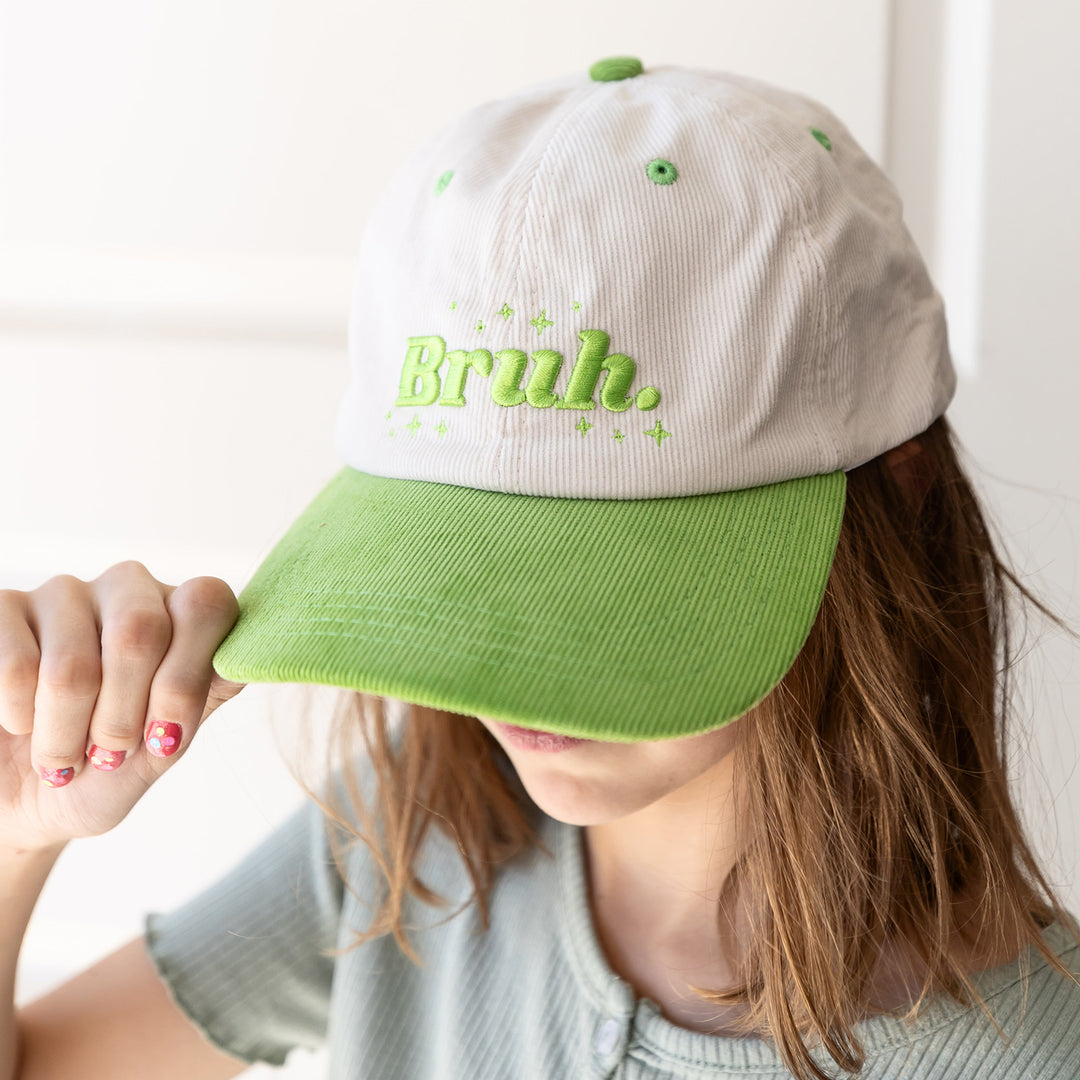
(532, 998)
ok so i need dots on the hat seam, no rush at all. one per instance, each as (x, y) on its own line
(576, 99)
(739, 115)
(822, 323)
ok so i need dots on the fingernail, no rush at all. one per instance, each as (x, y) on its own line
(57, 777)
(163, 738)
(106, 760)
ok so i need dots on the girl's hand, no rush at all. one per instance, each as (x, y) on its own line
(120, 665)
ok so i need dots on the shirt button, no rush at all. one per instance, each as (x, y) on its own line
(608, 1037)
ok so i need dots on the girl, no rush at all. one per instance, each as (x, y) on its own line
(700, 650)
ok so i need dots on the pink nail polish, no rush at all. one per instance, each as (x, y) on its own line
(106, 760)
(57, 777)
(163, 738)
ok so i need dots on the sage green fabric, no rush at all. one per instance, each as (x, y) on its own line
(533, 998)
(616, 619)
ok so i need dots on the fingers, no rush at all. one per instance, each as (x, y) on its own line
(136, 632)
(68, 678)
(19, 658)
(203, 610)
(104, 669)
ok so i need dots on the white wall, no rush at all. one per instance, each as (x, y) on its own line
(182, 193)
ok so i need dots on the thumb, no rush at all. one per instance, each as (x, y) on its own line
(220, 692)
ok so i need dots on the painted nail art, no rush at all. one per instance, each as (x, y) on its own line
(57, 777)
(106, 760)
(163, 738)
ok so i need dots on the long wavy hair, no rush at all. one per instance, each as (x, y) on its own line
(882, 752)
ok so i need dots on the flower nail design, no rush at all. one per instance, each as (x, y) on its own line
(106, 760)
(57, 777)
(163, 739)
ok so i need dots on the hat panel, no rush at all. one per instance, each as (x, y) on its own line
(429, 267)
(705, 288)
(757, 311)
(687, 279)
(884, 346)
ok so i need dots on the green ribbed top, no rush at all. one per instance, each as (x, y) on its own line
(532, 999)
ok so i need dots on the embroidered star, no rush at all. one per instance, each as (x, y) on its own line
(583, 425)
(479, 326)
(441, 429)
(577, 306)
(541, 321)
(618, 436)
(453, 304)
(505, 311)
(658, 433)
(388, 415)
(414, 427)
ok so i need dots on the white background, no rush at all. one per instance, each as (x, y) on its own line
(182, 190)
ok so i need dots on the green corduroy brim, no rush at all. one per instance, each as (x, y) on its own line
(609, 619)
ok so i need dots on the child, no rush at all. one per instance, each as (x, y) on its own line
(644, 437)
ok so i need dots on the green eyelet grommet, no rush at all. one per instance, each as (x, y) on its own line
(821, 138)
(614, 68)
(440, 184)
(661, 171)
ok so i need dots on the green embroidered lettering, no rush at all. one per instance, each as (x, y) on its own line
(460, 362)
(415, 368)
(539, 390)
(506, 386)
(424, 357)
(586, 371)
(648, 397)
(591, 360)
(620, 374)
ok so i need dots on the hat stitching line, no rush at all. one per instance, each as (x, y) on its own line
(625, 650)
(626, 653)
(816, 279)
(742, 118)
(574, 101)
(623, 681)
(469, 609)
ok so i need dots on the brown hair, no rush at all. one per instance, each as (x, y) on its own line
(881, 751)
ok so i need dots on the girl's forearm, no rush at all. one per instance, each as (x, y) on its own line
(22, 875)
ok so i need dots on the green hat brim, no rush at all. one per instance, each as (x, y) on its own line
(613, 619)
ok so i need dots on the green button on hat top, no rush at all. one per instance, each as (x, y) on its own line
(614, 68)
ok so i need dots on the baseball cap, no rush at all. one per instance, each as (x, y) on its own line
(615, 340)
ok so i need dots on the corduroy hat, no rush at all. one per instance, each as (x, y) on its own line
(615, 340)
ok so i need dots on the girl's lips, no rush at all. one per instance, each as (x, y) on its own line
(543, 741)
